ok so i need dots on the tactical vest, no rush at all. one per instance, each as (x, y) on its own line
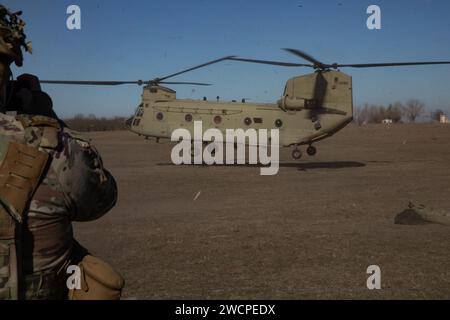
(21, 170)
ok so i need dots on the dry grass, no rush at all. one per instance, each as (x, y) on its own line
(308, 232)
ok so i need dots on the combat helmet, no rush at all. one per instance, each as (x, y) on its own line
(12, 36)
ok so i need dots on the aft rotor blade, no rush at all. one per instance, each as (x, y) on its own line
(193, 68)
(307, 57)
(320, 88)
(323, 110)
(394, 64)
(319, 93)
(93, 83)
(275, 63)
(189, 83)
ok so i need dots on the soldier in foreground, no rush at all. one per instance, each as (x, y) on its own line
(49, 177)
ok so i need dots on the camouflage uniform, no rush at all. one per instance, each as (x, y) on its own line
(75, 187)
(49, 177)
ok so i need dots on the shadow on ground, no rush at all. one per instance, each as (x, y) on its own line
(299, 166)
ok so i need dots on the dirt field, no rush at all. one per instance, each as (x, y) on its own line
(309, 232)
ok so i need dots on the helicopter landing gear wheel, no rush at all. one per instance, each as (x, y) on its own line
(296, 154)
(311, 151)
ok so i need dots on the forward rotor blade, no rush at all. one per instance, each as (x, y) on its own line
(93, 83)
(306, 56)
(117, 83)
(189, 83)
(394, 64)
(193, 68)
(275, 63)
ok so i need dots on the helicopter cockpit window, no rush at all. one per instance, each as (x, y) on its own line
(140, 111)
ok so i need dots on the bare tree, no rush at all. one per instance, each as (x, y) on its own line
(361, 114)
(376, 114)
(394, 112)
(413, 108)
(91, 123)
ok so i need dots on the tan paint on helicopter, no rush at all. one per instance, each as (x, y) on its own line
(296, 110)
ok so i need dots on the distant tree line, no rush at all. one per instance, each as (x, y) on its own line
(81, 122)
(411, 110)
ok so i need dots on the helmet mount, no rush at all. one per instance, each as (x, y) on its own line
(12, 36)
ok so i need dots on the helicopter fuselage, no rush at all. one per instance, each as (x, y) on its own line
(305, 114)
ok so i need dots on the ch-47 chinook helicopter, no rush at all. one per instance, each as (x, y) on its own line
(313, 106)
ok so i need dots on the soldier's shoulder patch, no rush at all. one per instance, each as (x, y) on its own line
(81, 138)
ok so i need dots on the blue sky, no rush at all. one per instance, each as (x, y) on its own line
(137, 39)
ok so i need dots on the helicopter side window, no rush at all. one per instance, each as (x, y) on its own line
(160, 116)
